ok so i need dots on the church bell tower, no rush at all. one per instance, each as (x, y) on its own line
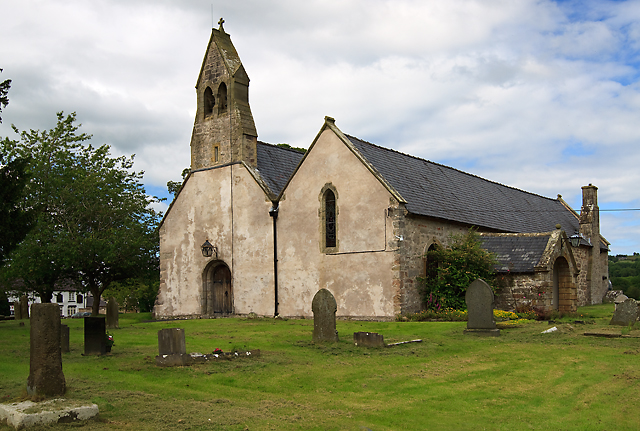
(223, 131)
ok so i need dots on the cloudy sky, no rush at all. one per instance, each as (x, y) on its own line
(539, 95)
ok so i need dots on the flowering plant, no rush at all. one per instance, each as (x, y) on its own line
(108, 340)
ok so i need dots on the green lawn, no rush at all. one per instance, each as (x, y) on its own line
(450, 381)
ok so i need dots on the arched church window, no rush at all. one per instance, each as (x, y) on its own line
(222, 98)
(330, 219)
(209, 102)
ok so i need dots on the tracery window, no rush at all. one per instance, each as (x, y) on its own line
(330, 219)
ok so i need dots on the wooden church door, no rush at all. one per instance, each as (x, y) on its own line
(221, 290)
(217, 291)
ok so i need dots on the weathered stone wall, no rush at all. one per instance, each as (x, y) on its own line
(203, 211)
(360, 273)
(418, 234)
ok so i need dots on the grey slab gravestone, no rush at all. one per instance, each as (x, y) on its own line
(479, 299)
(368, 339)
(324, 309)
(45, 363)
(95, 336)
(112, 314)
(626, 313)
(17, 311)
(64, 339)
(171, 341)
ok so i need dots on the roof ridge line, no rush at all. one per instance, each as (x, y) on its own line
(450, 167)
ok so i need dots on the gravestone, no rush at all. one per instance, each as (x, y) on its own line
(368, 339)
(479, 299)
(324, 309)
(172, 348)
(24, 307)
(112, 314)
(95, 336)
(64, 338)
(45, 364)
(171, 341)
(17, 311)
(619, 300)
(626, 313)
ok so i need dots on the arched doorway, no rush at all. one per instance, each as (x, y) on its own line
(564, 291)
(217, 294)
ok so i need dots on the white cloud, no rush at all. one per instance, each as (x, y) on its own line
(539, 95)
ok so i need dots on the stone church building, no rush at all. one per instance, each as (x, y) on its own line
(257, 228)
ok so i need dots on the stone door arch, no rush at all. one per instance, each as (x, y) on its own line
(564, 290)
(217, 290)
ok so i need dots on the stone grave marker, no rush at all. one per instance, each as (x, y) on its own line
(324, 309)
(95, 336)
(626, 313)
(45, 364)
(172, 348)
(112, 314)
(368, 339)
(620, 299)
(21, 308)
(64, 339)
(17, 310)
(479, 299)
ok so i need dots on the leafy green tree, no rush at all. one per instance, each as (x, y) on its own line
(4, 90)
(94, 224)
(457, 266)
(174, 186)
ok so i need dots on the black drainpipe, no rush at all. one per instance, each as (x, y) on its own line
(273, 212)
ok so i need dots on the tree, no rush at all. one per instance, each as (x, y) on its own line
(4, 90)
(174, 186)
(94, 222)
(458, 265)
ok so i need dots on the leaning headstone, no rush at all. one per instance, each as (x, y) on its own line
(95, 335)
(64, 338)
(112, 314)
(626, 313)
(368, 339)
(172, 348)
(324, 309)
(45, 365)
(479, 299)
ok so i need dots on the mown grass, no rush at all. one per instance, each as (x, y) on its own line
(450, 381)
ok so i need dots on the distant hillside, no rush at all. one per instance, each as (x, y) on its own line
(624, 272)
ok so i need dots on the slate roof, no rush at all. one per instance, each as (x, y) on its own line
(516, 254)
(434, 190)
(276, 165)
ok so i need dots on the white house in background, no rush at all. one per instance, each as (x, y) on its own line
(70, 301)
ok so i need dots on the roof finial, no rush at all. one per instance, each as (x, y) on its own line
(220, 23)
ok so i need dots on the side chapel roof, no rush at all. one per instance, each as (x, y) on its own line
(435, 190)
(516, 253)
(276, 165)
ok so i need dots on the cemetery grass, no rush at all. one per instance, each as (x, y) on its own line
(520, 380)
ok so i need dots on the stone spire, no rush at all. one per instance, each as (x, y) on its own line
(224, 131)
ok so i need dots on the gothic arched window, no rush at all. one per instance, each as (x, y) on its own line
(329, 219)
(209, 102)
(222, 98)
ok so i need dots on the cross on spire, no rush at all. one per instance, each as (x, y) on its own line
(220, 23)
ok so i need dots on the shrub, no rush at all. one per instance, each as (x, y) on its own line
(456, 267)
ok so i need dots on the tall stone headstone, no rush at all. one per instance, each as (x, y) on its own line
(171, 341)
(95, 335)
(112, 314)
(45, 365)
(324, 309)
(479, 299)
(24, 306)
(64, 339)
(17, 310)
(626, 313)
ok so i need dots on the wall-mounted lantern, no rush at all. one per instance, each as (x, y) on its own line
(575, 239)
(209, 250)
